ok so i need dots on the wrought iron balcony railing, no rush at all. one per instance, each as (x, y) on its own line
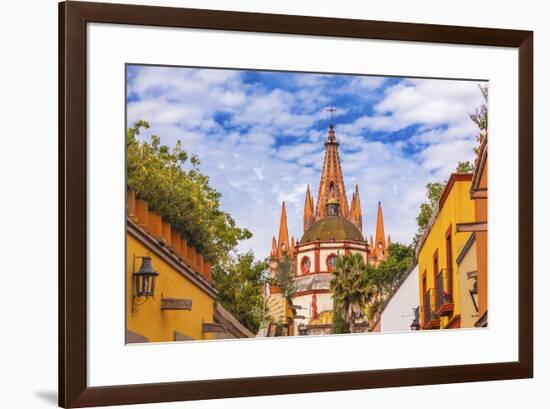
(428, 306)
(443, 292)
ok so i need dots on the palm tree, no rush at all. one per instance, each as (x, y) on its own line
(351, 288)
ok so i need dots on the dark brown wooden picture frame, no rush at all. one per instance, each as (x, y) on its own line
(73, 18)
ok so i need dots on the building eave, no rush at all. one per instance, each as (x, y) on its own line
(466, 227)
(237, 328)
(162, 252)
(478, 170)
(469, 243)
(455, 177)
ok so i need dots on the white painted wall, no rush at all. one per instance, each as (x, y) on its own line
(326, 249)
(361, 251)
(398, 314)
(324, 303)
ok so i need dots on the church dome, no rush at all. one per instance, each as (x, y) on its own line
(332, 228)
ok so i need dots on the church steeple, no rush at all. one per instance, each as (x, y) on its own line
(356, 216)
(332, 180)
(309, 216)
(273, 252)
(283, 243)
(380, 238)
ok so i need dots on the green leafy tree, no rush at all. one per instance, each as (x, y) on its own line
(171, 182)
(240, 282)
(284, 277)
(401, 252)
(385, 276)
(434, 191)
(464, 167)
(351, 290)
(479, 115)
(374, 306)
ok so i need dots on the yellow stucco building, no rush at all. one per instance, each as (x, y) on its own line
(183, 302)
(281, 313)
(437, 253)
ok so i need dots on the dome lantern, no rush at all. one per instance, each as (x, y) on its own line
(332, 207)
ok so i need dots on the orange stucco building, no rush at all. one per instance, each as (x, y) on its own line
(478, 193)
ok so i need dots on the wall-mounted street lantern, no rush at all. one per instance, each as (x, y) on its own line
(415, 324)
(472, 275)
(144, 279)
(302, 329)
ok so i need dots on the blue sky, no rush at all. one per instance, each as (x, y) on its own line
(260, 137)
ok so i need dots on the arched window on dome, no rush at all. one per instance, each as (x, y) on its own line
(305, 265)
(331, 262)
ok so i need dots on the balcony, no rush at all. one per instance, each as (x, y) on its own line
(444, 297)
(430, 317)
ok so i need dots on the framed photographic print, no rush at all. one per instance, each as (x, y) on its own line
(244, 196)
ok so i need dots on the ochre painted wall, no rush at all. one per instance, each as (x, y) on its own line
(279, 311)
(148, 319)
(481, 243)
(457, 208)
(468, 264)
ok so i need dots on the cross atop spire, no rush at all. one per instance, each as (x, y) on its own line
(331, 110)
(331, 136)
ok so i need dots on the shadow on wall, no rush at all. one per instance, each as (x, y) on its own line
(47, 396)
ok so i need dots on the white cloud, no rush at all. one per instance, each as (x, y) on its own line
(247, 162)
(299, 150)
(384, 174)
(312, 80)
(363, 85)
(431, 103)
(464, 130)
(441, 159)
